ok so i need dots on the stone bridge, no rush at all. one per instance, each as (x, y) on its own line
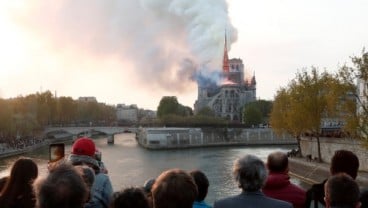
(90, 130)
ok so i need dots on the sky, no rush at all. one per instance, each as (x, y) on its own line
(136, 52)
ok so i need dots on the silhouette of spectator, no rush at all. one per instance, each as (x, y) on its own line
(174, 188)
(342, 161)
(18, 191)
(202, 183)
(62, 188)
(83, 153)
(341, 191)
(250, 174)
(278, 183)
(129, 198)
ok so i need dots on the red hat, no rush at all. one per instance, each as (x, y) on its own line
(84, 146)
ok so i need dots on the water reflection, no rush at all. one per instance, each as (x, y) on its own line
(130, 165)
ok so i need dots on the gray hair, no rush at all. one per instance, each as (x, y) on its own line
(250, 173)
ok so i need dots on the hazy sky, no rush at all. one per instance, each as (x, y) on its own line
(135, 52)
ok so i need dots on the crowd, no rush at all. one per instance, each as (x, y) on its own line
(80, 181)
(12, 143)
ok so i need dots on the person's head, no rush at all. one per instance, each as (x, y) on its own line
(250, 173)
(344, 161)
(83, 153)
(22, 174)
(342, 191)
(174, 188)
(277, 162)
(62, 188)
(202, 183)
(88, 176)
(129, 198)
(147, 186)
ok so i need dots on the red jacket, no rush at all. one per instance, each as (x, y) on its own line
(278, 186)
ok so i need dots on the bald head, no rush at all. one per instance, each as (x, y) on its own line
(277, 162)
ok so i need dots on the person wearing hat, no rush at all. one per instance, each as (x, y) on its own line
(83, 153)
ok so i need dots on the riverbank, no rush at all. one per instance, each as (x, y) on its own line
(46, 142)
(312, 172)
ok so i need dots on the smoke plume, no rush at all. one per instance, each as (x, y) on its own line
(166, 41)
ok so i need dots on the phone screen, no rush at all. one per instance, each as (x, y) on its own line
(56, 152)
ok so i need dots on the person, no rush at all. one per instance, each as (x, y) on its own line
(174, 188)
(202, 183)
(341, 191)
(18, 191)
(147, 187)
(83, 153)
(250, 173)
(3, 182)
(63, 187)
(278, 183)
(129, 198)
(98, 157)
(88, 176)
(342, 161)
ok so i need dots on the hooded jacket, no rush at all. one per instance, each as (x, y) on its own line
(278, 186)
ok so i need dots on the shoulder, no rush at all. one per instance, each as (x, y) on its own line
(279, 204)
(226, 201)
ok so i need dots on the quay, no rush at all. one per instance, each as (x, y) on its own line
(177, 138)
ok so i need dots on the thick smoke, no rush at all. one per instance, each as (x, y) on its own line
(166, 41)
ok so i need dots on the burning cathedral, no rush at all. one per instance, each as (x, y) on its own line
(227, 99)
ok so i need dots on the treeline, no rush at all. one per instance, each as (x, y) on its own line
(171, 113)
(25, 116)
(315, 101)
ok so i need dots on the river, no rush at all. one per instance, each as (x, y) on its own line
(131, 165)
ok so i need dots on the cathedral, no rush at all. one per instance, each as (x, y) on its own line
(227, 99)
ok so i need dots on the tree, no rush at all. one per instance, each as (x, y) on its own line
(252, 116)
(206, 111)
(257, 112)
(357, 118)
(308, 99)
(168, 105)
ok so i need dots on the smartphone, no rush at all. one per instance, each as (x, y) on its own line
(56, 152)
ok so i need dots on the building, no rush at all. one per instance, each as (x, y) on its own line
(87, 99)
(127, 113)
(228, 98)
(362, 87)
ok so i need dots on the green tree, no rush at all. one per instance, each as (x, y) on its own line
(262, 110)
(206, 111)
(168, 105)
(252, 115)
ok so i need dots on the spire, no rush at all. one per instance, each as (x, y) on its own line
(225, 61)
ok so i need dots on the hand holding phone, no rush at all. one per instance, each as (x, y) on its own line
(56, 152)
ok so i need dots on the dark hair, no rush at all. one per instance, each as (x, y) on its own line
(202, 183)
(174, 188)
(345, 161)
(18, 187)
(277, 162)
(129, 198)
(342, 191)
(62, 188)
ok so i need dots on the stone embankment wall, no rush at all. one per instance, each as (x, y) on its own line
(330, 145)
(167, 138)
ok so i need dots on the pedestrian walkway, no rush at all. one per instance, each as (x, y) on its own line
(314, 172)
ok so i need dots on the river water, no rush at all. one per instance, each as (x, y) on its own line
(131, 165)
